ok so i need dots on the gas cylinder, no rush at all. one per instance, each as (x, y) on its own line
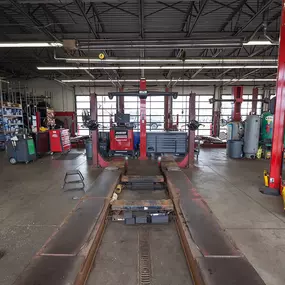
(251, 136)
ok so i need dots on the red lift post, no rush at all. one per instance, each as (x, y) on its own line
(143, 119)
(238, 93)
(276, 162)
(254, 101)
(97, 159)
(168, 120)
(185, 163)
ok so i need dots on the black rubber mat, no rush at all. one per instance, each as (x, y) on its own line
(69, 156)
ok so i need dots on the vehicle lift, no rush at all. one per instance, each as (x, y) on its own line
(193, 125)
(276, 185)
(211, 256)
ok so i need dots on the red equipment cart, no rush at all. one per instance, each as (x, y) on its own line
(121, 140)
(59, 140)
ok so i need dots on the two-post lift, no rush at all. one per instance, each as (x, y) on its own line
(276, 185)
(98, 161)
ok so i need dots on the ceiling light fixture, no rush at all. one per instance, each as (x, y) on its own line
(29, 44)
(168, 80)
(261, 43)
(178, 67)
(170, 60)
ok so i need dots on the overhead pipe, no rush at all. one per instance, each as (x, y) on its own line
(194, 60)
(161, 44)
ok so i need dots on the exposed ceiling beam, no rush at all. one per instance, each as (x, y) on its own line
(196, 73)
(187, 19)
(233, 14)
(161, 9)
(81, 7)
(202, 7)
(97, 17)
(141, 18)
(38, 25)
(53, 18)
(260, 11)
(119, 8)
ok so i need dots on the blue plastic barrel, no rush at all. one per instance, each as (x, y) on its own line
(234, 148)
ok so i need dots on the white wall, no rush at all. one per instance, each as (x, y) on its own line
(62, 96)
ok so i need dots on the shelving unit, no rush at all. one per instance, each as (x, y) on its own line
(11, 115)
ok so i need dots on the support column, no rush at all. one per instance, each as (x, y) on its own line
(216, 113)
(191, 138)
(168, 119)
(266, 98)
(121, 102)
(254, 101)
(143, 119)
(189, 158)
(93, 113)
(276, 162)
(238, 94)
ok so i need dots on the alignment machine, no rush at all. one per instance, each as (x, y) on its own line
(122, 136)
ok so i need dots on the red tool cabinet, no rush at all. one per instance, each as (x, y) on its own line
(59, 140)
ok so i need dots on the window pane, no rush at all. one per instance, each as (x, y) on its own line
(82, 98)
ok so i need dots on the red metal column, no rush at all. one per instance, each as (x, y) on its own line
(276, 162)
(38, 120)
(142, 121)
(191, 135)
(254, 101)
(238, 93)
(168, 120)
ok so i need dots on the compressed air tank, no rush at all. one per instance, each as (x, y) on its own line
(251, 136)
(235, 131)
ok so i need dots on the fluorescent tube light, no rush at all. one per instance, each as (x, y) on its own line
(30, 45)
(178, 67)
(260, 43)
(168, 80)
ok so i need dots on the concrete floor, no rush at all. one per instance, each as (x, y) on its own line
(32, 206)
(255, 222)
(117, 261)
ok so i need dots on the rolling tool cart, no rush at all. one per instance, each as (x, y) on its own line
(21, 150)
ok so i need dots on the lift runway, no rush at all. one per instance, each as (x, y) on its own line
(94, 246)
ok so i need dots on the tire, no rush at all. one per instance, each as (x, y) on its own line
(13, 160)
(154, 126)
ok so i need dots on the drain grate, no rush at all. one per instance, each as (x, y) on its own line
(144, 257)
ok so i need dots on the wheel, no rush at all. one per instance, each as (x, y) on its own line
(13, 160)
(154, 126)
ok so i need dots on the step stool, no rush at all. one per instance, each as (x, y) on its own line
(72, 173)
